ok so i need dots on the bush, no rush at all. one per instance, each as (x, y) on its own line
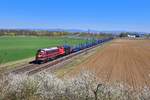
(46, 86)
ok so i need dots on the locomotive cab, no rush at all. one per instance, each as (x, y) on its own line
(40, 56)
(44, 55)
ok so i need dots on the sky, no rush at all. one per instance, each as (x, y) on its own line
(102, 15)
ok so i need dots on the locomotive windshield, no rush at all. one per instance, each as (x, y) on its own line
(39, 50)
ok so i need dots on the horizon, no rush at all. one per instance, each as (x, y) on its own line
(109, 15)
(115, 32)
(76, 30)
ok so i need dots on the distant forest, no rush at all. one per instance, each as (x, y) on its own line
(25, 32)
(31, 33)
(13, 32)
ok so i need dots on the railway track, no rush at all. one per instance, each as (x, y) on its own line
(31, 69)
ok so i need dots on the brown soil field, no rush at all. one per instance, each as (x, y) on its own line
(126, 61)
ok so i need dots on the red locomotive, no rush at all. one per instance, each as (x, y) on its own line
(46, 54)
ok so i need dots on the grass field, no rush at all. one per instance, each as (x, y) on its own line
(19, 47)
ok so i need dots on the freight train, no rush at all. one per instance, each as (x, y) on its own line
(47, 54)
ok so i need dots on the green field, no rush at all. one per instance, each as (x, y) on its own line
(19, 47)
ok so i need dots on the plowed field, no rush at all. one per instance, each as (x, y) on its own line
(123, 60)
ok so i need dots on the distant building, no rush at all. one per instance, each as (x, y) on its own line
(131, 36)
(135, 35)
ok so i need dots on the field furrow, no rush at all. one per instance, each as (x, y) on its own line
(125, 61)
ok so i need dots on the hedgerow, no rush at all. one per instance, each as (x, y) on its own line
(46, 86)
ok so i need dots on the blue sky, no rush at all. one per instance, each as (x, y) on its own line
(103, 15)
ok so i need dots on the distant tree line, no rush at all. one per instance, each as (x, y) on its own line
(14, 32)
(124, 34)
(94, 35)
(147, 35)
